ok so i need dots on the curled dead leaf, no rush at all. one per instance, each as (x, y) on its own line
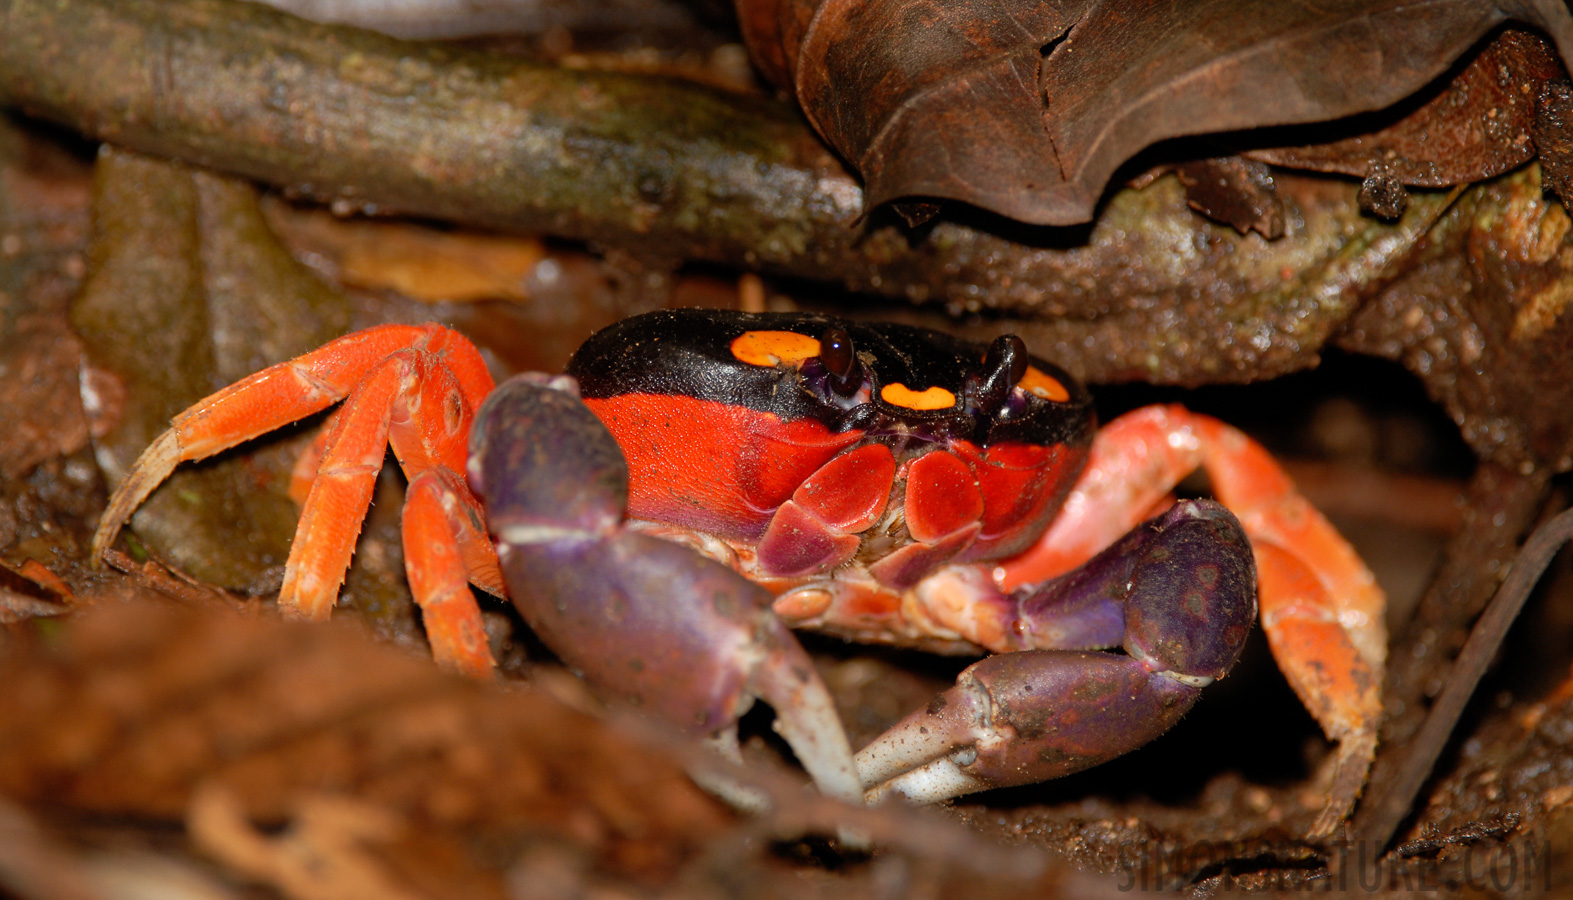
(1028, 110)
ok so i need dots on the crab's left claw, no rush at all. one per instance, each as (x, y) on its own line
(1178, 593)
(1322, 610)
(645, 620)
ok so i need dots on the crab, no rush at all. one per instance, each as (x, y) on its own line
(702, 479)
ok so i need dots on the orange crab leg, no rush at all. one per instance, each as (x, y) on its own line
(340, 494)
(308, 383)
(309, 461)
(1320, 606)
(445, 548)
(412, 386)
(276, 396)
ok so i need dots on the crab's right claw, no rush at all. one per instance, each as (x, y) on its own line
(1179, 593)
(645, 620)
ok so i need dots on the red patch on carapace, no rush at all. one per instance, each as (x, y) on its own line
(942, 496)
(713, 466)
(1022, 486)
(849, 493)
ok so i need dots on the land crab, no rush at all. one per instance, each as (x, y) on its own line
(880, 482)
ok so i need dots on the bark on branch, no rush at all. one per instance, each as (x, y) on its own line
(672, 170)
(366, 121)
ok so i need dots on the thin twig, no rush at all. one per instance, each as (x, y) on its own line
(171, 582)
(1393, 799)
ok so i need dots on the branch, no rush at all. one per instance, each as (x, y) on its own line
(674, 171)
(364, 121)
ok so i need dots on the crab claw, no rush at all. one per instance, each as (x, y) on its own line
(1178, 592)
(644, 620)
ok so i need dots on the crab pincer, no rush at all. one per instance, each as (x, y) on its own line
(647, 621)
(1177, 594)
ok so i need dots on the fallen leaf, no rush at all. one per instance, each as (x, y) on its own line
(322, 856)
(1236, 191)
(1028, 110)
(421, 261)
(1470, 127)
(139, 709)
(187, 291)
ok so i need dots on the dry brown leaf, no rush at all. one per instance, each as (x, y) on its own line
(423, 262)
(1029, 109)
(1473, 126)
(314, 760)
(137, 705)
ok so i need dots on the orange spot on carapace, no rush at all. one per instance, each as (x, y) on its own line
(1043, 385)
(898, 394)
(772, 348)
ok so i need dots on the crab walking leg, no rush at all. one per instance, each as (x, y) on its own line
(1336, 682)
(647, 621)
(310, 460)
(1321, 608)
(445, 541)
(413, 402)
(1177, 593)
(445, 549)
(1139, 457)
(340, 495)
(413, 385)
(276, 396)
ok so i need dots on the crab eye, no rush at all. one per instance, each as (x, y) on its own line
(1003, 366)
(836, 352)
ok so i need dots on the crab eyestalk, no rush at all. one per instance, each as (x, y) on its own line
(647, 621)
(1003, 366)
(840, 360)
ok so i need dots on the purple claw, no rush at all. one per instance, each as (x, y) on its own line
(1020, 718)
(1180, 588)
(1178, 593)
(1192, 596)
(645, 620)
(544, 462)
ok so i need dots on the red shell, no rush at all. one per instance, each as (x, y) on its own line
(710, 466)
(725, 470)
